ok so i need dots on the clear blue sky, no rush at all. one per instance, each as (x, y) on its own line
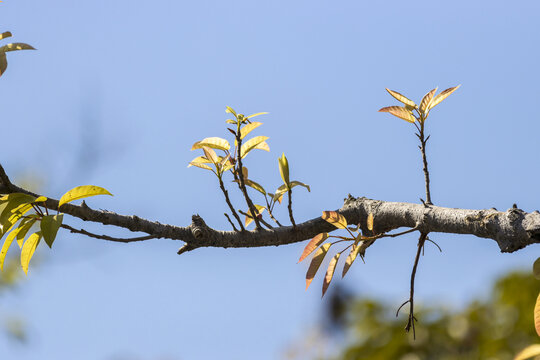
(119, 90)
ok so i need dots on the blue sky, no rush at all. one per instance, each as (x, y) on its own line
(118, 91)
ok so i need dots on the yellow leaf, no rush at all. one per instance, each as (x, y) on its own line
(248, 128)
(262, 146)
(298, 183)
(279, 193)
(40, 199)
(443, 95)
(210, 155)
(426, 101)
(313, 244)
(83, 191)
(5, 34)
(257, 114)
(252, 144)
(200, 165)
(330, 273)
(528, 352)
(401, 112)
(25, 226)
(316, 263)
(335, 219)
(230, 110)
(537, 315)
(401, 98)
(260, 210)
(28, 250)
(350, 259)
(370, 222)
(212, 142)
(284, 169)
(7, 244)
(255, 186)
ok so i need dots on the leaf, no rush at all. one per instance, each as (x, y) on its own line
(335, 219)
(254, 185)
(296, 183)
(426, 101)
(401, 98)
(200, 165)
(284, 169)
(536, 269)
(401, 112)
(370, 222)
(80, 192)
(230, 110)
(252, 144)
(316, 263)
(313, 244)
(279, 193)
(528, 352)
(210, 155)
(350, 259)
(15, 47)
(257, 114)
(3, 63)
(212, 142)
(5, 34)
(24, 227)
(330, 273)
(262, 146)
(248, 128)
(443, 95)
(14, 201)
(537, 315)
(49, 227)
(260, 210)
(28, 250)
(40, 199)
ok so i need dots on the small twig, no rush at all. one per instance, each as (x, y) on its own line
(423, 142)
(226, 193)
(230, 222)
(260, 219)
(434, 243)
(106, 237)
(270, 207)
(290, 208)
(185, 248)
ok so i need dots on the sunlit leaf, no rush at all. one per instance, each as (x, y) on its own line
(279, 193)
(335, 219)
(260, 210)
(401, 98)
(537, 315)
(351, 257)
(24, 227)
(49, 227)
(296, 183)
(536, 269)
(255, 186)
(212, 142)
(248, 128)
(316, 263)
(83, 191)
(230, 110)
(251, 144)
(28, 250)
(284, 169)
(313, 244)
(443, 95)
(330, 273)
(14, 202)
(426, 101)
(229, 121)
(5, 34)
(210, 154)
(257, 114)
(401, 112)
(200, 165)
(40, 199)
(370, 222)
(528, 352)
(20, 231)
(262, 146)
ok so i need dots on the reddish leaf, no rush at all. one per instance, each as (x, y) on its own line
(401, 112)
(316, 263)
(335, 219)
(330, 273)
(313, 244)
(426, 101)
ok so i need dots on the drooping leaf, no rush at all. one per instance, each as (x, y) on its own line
(248, 128)
(211, 155)
(260, 210)
(313, 244)
(257, 114)
(14, 202)
(24, 227)
(370, 222)
(296, 183)
(28, 250)
(335, 219)
(443, 95)
(528, 352)
(255, 186)
(212, 142)
(16, 47)
(351, 257)
(536, 268)
(284, 169)
(401, 112)
(330, 273)
(426, 101)
(262, 146)
(16, 215)
(401, 98)
(7, 244)
(537, 315)
(251, 144)
(81, 192)
(5, 34)
(316, 263)
(49, 227)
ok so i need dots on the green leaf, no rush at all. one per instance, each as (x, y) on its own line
(313, 244)
(24, 227)
(350, 259)
(316, 263)
(279, 193)
(248, 128)
(401, 112)
(284, 169)
(28, 250)
(212, 142)
(5, 34)
(296, 183)
(335, 219)
(426, 101)
(49, 227)
(252, 144)
(443, 95)
(15, 47)
(401, 98)
(536, 268)
(80, 192)
(330, 273)
(528, 352)
(254, 185)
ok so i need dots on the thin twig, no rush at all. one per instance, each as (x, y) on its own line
(226, 193)
(290, 208)
(269, 208)
(106, 237)
(230, 222)
(423, 142)
(260, 219)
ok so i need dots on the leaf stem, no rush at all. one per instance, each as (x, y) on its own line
(423, 141)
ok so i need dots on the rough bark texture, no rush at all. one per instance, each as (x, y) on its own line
(512, 229)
